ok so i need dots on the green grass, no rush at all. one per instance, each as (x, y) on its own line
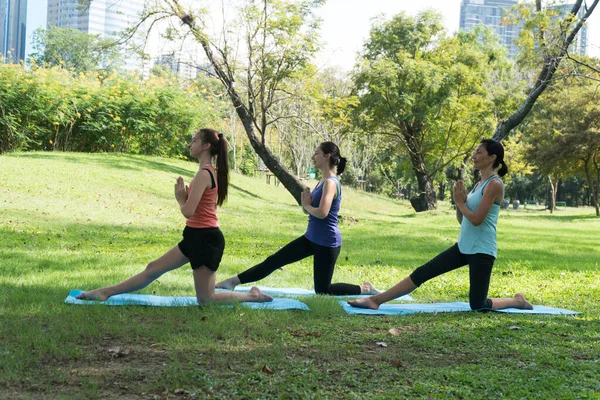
(84, 220)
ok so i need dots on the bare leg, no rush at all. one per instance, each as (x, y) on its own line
(368, 288)
(405, 286)
(518, 301)
(204, 281)
(229, 283)
(171, 260)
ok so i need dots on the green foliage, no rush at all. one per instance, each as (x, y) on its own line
(49, 109)
(74, 50)
(431, 95)
(564, 137)
(248, 165)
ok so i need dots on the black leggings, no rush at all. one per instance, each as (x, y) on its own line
(480, 270)
(296, 250)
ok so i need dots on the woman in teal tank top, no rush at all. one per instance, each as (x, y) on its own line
(477, 213)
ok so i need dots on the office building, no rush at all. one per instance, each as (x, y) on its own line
(13, 29)
(490, 13)
(107, 18)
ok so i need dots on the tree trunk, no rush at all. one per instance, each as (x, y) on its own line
(554, 190)
(426, 199)
(225, 75)
(289, 181)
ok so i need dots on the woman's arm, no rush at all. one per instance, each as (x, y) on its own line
(491, 193)
(459, 215)
(189, 201)
(329, 193)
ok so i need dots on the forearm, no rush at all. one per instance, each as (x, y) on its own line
(314, 211)
(182, 207)
(459, 216)
(465, 212)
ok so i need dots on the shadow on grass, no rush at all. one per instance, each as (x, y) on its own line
(557, 217)
(244, 191)
(117, 161)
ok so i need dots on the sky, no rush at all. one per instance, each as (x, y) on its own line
(346, 25)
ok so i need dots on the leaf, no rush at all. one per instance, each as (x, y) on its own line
(394, 331)
(267, 370)
(381, 344)
(513, 328)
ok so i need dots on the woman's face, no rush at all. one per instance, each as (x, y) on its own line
(196, 145)
(320, 159)
(481, 158)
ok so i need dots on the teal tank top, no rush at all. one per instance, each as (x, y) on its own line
(482, 238)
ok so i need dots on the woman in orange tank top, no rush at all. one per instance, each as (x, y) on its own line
(203, 243)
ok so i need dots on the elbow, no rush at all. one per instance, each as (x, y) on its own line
(187, 213)
(476, 222)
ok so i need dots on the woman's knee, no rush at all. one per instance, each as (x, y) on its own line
(322, 289)
(204, 298)
(152, 270)
(478, 305)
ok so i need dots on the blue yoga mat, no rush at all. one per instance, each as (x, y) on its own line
(299, 292)
(129, 299)
(404, 309)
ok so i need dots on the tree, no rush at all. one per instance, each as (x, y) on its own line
(565, 136)
(427, 93)
(74, 50)
(280, 38)
(549, 37)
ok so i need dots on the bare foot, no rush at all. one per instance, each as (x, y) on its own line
(364, 303)
(228, 284)
(368, 288)
(259, 296)
(93, 295)
(522, 303)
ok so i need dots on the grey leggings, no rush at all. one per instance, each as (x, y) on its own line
(480, 270)
(296, 250)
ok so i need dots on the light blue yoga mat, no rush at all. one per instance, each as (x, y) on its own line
(299, 292)
(404, 309)
(129, 299)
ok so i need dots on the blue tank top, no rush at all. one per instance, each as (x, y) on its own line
(482, 238)
(325, 232)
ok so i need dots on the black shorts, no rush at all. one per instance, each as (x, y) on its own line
(203, 246)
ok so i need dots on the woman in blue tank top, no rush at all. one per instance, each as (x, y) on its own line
(322, 238)
(477, 213)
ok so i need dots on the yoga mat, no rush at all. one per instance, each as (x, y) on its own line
(129, 299)
(404, 309)
(298, 292)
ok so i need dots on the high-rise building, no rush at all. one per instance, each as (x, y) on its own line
(184, 67)
(107, 18)
(13, 29)
(490, 13)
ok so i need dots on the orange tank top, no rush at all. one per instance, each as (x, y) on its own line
(205, 215)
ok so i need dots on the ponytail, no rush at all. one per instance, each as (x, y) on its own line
(342, 165)
(503, 169)
(222, 170)
(218, 148)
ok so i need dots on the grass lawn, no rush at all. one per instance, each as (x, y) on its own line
(72, 221)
